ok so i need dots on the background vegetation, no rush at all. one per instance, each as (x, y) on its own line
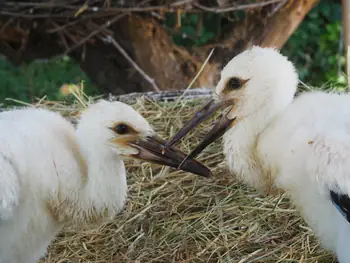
(315, 48)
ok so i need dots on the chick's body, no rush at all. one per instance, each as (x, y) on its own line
(52, 175)
(275, 142)
(44, 183)
(300, 145)
(304, 150)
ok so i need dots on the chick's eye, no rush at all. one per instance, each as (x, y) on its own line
(122, 129)
(234, 83)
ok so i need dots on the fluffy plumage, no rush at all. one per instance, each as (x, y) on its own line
(52, 175)
(301, 145)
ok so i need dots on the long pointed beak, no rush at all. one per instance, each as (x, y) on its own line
(215, 133)
(201, 115)
(150, 149)
(220, 127)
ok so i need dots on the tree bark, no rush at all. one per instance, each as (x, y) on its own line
(346, 32)
(282, 25)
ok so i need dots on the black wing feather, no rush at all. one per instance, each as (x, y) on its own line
(342, 202)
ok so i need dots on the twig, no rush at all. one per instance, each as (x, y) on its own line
(8, 22)
(99, 30)
(195, 78)
(13, 11)
(71, 36)
(277, 8)
(20, 15)
(235, 8)
(72, 23)
(97, 8)
(166, 95)
(110, 39)
(64, 26)
(95, 32)
(40, 5)
(181, 2)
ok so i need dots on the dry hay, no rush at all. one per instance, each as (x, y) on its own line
(173, 216)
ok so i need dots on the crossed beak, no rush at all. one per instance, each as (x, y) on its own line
(151, 149)
(219, 128)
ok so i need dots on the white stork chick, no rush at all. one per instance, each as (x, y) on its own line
(53, 175)
(272, 141)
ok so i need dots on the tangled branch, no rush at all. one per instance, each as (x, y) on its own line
(98, 8)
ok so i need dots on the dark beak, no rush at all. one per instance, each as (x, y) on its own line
(150, 149)
(220, 127)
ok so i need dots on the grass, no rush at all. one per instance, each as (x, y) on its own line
(173, 216)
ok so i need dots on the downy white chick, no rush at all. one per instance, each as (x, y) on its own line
(52, 175)
(275, 142)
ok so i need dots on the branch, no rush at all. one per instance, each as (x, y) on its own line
(198, 93)
(95, 32)
(13, 6)
(110, 39)
(99, 30)
(12, 9)
(346, 33)
(235, 8)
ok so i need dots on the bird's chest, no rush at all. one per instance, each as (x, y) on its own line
(245, 160)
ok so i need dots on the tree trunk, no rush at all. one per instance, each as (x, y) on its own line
(346, 32)
(282, 25)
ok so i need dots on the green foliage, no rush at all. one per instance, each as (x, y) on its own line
(192, 33)
(38, 79)
(189, 34)
(314, 47)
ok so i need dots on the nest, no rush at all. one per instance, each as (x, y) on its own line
(173, 216)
